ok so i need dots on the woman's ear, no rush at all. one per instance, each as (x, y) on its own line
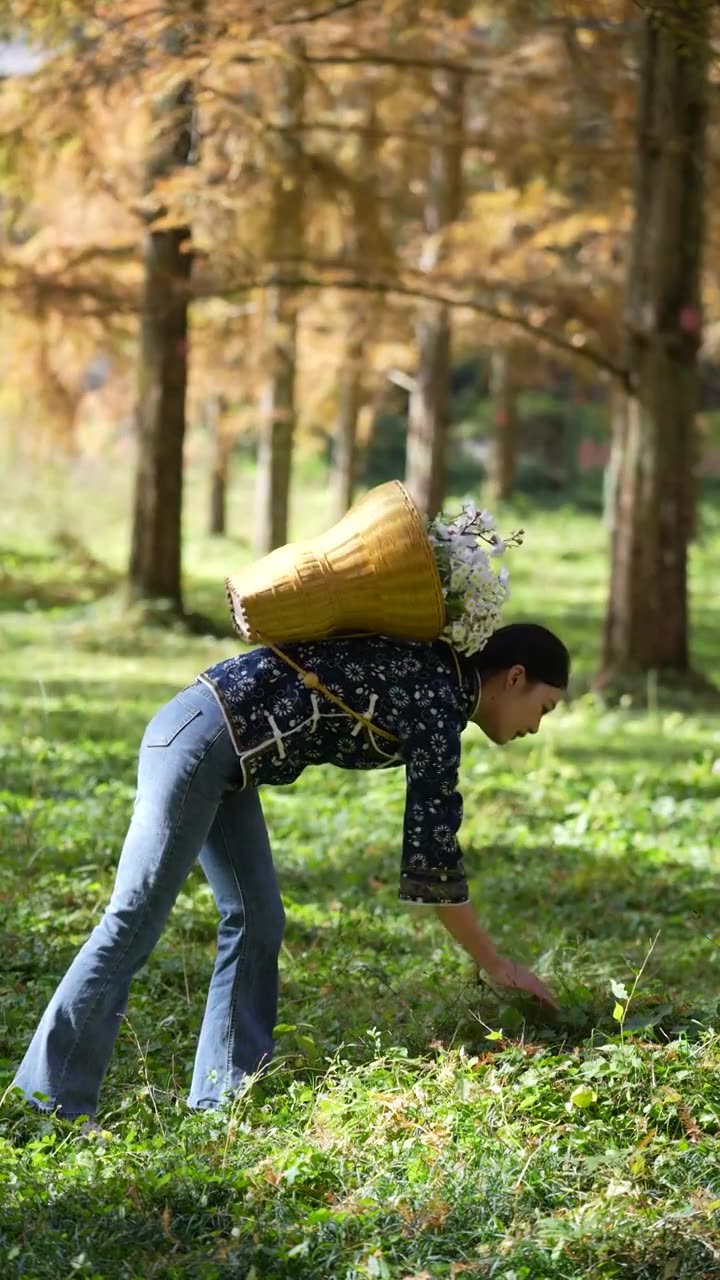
(515, 676)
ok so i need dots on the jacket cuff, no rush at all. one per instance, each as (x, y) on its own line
(433, 887)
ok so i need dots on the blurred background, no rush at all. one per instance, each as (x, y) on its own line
(257, 258)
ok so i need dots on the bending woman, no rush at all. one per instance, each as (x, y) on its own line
(260, 718)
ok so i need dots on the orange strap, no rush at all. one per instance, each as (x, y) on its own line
(311, 681)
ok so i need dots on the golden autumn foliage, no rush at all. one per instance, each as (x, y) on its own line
(539, 248)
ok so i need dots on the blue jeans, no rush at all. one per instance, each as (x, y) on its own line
(187, 807)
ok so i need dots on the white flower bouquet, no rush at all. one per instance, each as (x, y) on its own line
(474, 593)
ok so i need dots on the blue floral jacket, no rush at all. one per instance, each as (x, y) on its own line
(416, 691)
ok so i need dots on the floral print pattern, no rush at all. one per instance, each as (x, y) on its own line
(414, 690)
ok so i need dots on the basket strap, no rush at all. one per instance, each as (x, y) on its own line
(311, 681)
(457, 664)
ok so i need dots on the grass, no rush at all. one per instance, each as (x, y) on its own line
(412, 1125)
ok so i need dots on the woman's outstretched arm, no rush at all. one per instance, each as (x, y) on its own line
(462, 922)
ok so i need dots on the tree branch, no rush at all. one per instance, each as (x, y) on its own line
(373, 58)
(396, 288)
(94, 300)
(341, 6)
(469, 140)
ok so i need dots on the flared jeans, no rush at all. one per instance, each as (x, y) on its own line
(188, 806)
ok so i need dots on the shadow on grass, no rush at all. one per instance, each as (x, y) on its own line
(128, 1227)
(67, 576)
(102, 698)
(208, 1218)
(132, 1228)
(624, 749)
(79, 716)
(30, 582)
(363, 965)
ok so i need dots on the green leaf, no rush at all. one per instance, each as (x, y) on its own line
(378, 1267)
(319, 1215)
(583, 1096)
(417, 1171)
(619, 1012)
(309, 1047)
(648, 1017)
(299, 1250)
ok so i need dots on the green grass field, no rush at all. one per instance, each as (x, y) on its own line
(412, 1125)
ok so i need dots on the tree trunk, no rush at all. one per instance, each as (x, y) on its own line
(694, 516)
(646, 623)
(430, 402)
(277, 424)
(349, 396)
(277, 401)
(219, 462)
(363, 242)
(613, 466)
(156, 536)
(155, 556)
(429, 412)
(503, 442)
(217, 525)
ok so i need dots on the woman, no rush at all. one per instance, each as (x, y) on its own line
(364, 702)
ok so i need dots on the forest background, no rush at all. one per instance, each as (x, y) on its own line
(295, 228)
(254, 259)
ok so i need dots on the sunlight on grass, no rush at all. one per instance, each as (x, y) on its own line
(413, 1123)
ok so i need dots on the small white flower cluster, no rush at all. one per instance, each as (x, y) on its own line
(474, 593)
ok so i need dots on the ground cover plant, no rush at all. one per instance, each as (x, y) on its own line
(414, 1123)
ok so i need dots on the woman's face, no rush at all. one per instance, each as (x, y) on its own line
(511, 705)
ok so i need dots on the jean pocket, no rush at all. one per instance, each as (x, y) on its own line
(169, 721)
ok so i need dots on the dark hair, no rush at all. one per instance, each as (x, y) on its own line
(531, 646)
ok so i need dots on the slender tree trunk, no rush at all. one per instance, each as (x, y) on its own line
(503, 442)
(646, 623)
(219, 463)
(430, 402)
(60, 400)
(694, 516)
(613, 467)
(277, 424)
(363, 246)
(277, 401)
(429, 411)
(155, 556)
(218, 505)
(349, 398)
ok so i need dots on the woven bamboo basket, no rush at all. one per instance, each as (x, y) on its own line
(373, 571)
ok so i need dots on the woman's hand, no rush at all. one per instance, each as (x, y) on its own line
(464, 925)
(505, 973)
